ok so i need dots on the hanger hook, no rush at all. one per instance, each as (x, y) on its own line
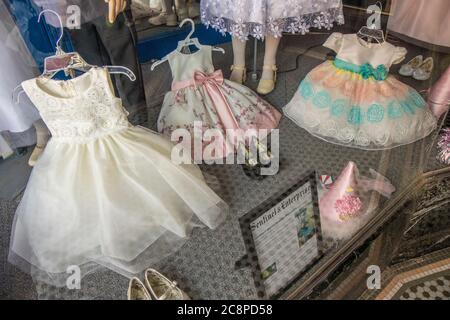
(380, 4)
(193, 27)
(61, 27)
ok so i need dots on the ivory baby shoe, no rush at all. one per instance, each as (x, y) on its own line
(137, 290)
(424, 71)
(408, 69)
(162, 288)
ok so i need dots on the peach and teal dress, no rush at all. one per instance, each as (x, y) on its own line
(353, 101)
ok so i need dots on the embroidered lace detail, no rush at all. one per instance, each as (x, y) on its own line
(94, 113)
(373, 127)
(355, 115)
(352, 134)
(293, 16)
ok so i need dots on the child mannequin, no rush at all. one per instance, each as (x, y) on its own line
(268, 77)
(184, 9)
(267, 19)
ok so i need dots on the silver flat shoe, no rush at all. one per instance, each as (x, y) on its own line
(407, 70)
(162, 288)
(425, 69)
(137, 290)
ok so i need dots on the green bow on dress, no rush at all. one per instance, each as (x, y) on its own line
(366, 71)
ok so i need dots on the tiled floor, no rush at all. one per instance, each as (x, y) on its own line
(436, 289)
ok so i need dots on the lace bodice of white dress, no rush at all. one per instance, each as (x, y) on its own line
(79, 109)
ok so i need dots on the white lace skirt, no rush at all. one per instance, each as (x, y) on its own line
(260, 18)
(117, 201)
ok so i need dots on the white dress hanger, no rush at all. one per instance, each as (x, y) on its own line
(372, 30)
(189, 41)
(68, 62)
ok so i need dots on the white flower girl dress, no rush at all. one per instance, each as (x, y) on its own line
(354, 102)
(201, 95)
(103, 192)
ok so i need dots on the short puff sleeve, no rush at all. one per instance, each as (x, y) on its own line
(334, 41)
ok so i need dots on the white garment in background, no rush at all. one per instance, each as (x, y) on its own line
(17, 65)
(103, 190)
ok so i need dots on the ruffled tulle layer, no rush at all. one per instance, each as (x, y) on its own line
(344, 108)
(117, 201)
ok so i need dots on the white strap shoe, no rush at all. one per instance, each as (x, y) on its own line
(424, 71)
(407, 70)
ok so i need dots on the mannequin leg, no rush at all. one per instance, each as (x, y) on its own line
(268, 77)
(193, 9)
(270, 56)
(42, 133)
(42, 137)
(182, 11)
(167, 15)
(167, 6)
(238, 74)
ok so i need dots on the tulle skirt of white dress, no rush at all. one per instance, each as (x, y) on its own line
(117, 201)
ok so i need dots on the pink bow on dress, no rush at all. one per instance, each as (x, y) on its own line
(212, 83)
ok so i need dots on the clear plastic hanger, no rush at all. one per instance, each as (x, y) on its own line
(68, 62)
(372, 31)
(189, 41)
